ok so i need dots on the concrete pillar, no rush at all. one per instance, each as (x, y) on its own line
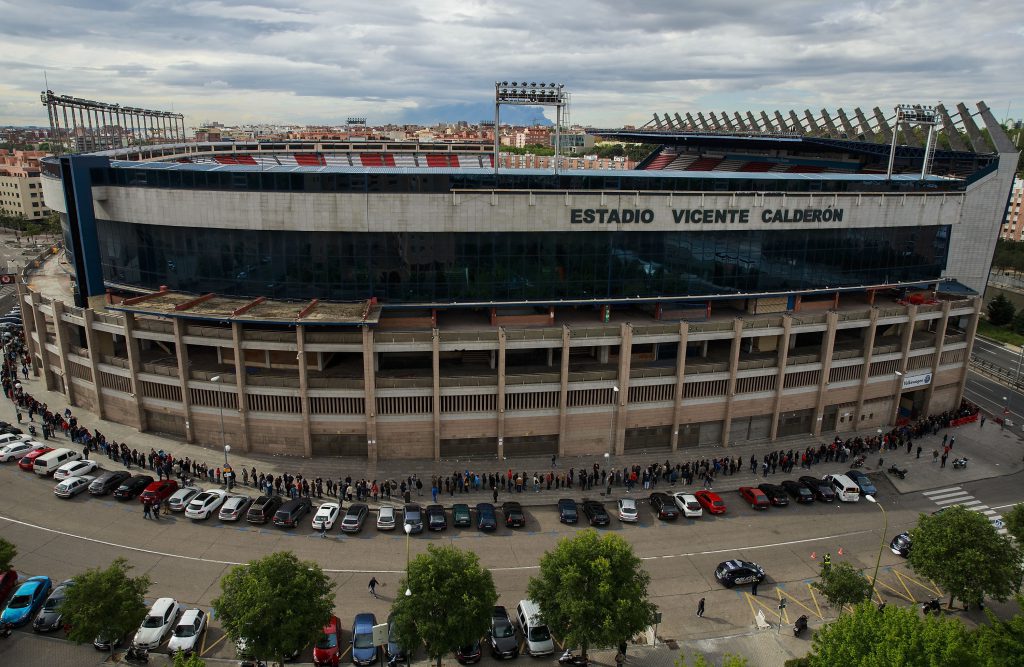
(300, 358)
(492, 361)
(621, 397)
(563, 389)
(677, 399)
(435, 374)
(243, 407)
(551, 357)
(780, 377)
(60, 329)
(972, 330)
(869, 351)
(730, 391)
(183, 376)
(940, 343)
(135, 367)
(28, 325)
(501, 392)
(370, 394)
(40, 323)
(908, 336)
(827, 347)
(91, 340)
(602, 354)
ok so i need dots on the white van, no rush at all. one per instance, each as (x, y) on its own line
(48, 463)
(846, 489)
(537, 635)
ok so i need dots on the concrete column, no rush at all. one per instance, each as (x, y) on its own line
(243, 407)
(370, 395)
(134, 366)
(869, 351)
(602, 354)
(183, 376)
(621, 397)
(940, 343)
(908, 336)
(563, 389)
(60, 329)
(94, 355)
(730, 391)
(435, 374)
(501, 393)
(551, 357)
(972, 330)
(28, 325)
(300, 344)
(40, 324)
(827, 347)
(780, 377)
(677, 399)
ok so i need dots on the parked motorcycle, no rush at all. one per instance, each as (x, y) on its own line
(859, 461)
(960, 463)
(5, 630)
(899, 472)
(139, 656)
(569, 658)
(800, 626)
(930, 606)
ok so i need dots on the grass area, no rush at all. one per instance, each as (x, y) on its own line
(1001, 334)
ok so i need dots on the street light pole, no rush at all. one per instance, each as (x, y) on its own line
(408, 534)
(881, 543)
(220, 404)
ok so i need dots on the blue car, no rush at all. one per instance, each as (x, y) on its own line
(364, 652)
(27, 600)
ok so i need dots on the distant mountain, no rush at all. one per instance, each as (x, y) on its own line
(474, 113)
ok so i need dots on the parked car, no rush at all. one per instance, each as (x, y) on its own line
(688, 505)
(50, 617)
(159, 491)
(10, 438)
(108, 481)
(596, 514)
(436, 519)
(8, 580)
(14, 450)
(394, 652)
(567, 511)
(326, 515)
(502, 636)
(710, 501)
(187, 632)
(26, 601)
(291, 512)
(663, 507)
(105, 643)
(28, 461)
(461, 518)
(732, 572)
(386, 518)
(513, 512)
(627, 510)
(263, 509)
(132, 487)
(867, 488)
(900, 545)
(469, 654)
(777, 495)
(158, 624)
(327, 650)
(180, 499)
(798, 491)
(354, 518)
(205, 504)
(486, 518)
(74, 469)
(234, 508)
(754, 496)
(364, 651)
(72, 486)
(413, 516)
(821, 489)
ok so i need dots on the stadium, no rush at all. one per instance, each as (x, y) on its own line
(753, 279)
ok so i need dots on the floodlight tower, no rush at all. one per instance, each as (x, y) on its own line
(521, 93)
(914, 114)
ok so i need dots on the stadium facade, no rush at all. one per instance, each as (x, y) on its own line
(749, 280)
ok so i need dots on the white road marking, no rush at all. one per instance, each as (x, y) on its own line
(943, 499)
(941, 491)
(946, 496)
(959, 500)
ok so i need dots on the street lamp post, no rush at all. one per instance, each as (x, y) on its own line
(220, 405)
(408, 534)
(881, 544)
(611, 421)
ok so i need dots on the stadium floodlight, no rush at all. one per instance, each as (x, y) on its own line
(532, 93)
(914, 114)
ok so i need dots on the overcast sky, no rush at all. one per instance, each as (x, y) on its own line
(318, 61)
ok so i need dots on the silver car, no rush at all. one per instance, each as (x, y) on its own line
(234, 508)
(182, 497)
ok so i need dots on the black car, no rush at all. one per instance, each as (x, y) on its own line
(798, 491)
(394, 651)
(900, 545)
(14, 430)
(597, 515)
(567, 511)
(863, 482)
(820, 488)
(486, 519)
(436, 518)
(133, 486)
(502, 636)
(50, 616)
(105, 643)
(108, 481)
(263, 509)
(663, 506)
(467, 655)
(776, 494)
(514, 517)
(290, 513)
(732, 572)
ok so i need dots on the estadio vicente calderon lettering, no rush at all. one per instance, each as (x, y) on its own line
(697, 216)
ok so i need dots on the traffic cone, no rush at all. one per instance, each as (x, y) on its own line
(840, 552)
(814, 555)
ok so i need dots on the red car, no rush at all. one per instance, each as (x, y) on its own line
(326, 651)
(755, 496)
(7, 582)
(27, 462)
(158, 491)
(710, 501)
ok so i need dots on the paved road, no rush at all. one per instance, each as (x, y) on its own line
(998, 355)
(995, 398)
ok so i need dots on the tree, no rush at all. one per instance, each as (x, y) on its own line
(869, 637)
(843, 584)
(190, 660)
(451, 602)
(105, 603)
(7, 553)
(961, 551)
(1014, 520)
(1000, 310)
(277, 604)
(1001, 643)
(592, 591)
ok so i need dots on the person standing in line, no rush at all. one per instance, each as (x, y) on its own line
(700, 608)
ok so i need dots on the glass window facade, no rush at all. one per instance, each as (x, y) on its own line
(446, 268)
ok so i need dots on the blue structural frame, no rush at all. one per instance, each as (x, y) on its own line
(80, 224)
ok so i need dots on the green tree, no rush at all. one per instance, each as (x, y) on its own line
(277, 604)
(961, 551)
(1014, 520)
(7, 553)
(1001, 643)
(592, 591)
(451, 601)
(1017, 324)
(190, 660)
(105, 603)
(893, 636)
(842, 584)
(1000, 310)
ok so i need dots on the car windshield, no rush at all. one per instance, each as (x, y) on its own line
(363, 640)
(20, 601)
(53, 603)
(185, 631)
(327, 641)
(539, 633)
(153, 622)
(718, 503)
(503, 629)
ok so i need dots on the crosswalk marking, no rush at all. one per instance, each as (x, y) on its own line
(958, 500)
(937, 492)
(955, 495)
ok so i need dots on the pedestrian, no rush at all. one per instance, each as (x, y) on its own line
(85, 450)
(156, 510)
(919, 451)
(700, 608)
(323, 529)
(935, 455)
(826, 562)
(494, 489)
(145, 510)
(373, 586)
(951, 441)
(983, 421)
(944, 457)
(753, 589)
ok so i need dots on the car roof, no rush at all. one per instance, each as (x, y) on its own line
(386, 509)
(162, 604)
(190, 616)
(365, 619)
(627, 501)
